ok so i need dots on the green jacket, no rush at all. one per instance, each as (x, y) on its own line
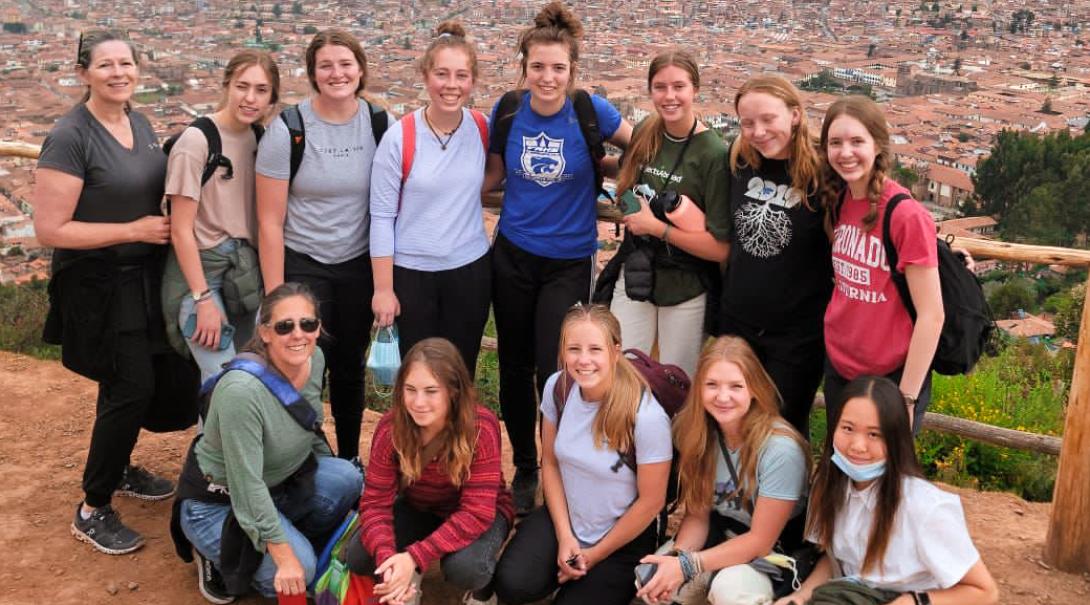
(241, 292)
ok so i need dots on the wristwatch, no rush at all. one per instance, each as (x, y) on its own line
(198, 296)
(910, 400)
(921, 598)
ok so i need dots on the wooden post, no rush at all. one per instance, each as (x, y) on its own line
(1067, 546)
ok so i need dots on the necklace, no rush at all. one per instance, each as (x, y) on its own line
(449, 133)
(682, 139)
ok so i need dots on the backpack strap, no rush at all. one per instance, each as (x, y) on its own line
(297, 136)
(899, 278)
(408, 151)
(215, 149)
(592, 134)
(380, 121)
(294, 403)
(259, 131)
(505, 117)
(482, 127)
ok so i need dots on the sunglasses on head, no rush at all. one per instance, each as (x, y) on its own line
(286, 326)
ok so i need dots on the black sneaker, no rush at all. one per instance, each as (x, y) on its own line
(524, 491)
(210, 582)
(137, 482)
(105, 531)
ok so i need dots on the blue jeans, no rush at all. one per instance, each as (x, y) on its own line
(211, 361)
(337, 486)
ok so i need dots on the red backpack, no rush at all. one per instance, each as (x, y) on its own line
(408, 143)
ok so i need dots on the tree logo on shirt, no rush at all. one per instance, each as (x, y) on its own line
(542, 159)
(762, 226)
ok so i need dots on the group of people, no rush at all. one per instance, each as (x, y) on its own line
(285, 239)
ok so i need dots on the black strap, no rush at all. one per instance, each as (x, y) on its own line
(733, 473)
(681, 156)
(293, 119)
(380, 121)
(899, 278)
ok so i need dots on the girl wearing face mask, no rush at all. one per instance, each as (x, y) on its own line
(895, 537)
(314, 224)
(663, 273)
(778, 277)
(543, 254)
(868, 326)
(435, 490)
(743, 478)
(214, 226)
(429, 249)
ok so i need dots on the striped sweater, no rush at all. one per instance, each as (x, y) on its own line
(469, 510)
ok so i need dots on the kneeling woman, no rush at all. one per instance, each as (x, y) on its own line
(283, 487)
(605, 464)
(896, 538)
(435, 489)
(744, 472)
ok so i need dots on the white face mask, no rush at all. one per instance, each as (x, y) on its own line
(858, 472)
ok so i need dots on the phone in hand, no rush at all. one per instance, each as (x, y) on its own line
(629, 203)
(644, 573)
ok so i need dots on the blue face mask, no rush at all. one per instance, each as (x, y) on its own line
(858, 472)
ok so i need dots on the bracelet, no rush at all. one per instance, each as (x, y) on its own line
(199, 297)
(921, 598)
(698, 561)
(909, 399)
(688, 569)
(203, 299)
(666, 232)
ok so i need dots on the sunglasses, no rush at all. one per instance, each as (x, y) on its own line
(287, 326)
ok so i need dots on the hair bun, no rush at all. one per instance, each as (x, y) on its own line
(451, 28)
(555, 14)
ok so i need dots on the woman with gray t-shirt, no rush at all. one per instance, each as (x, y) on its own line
(313, 218)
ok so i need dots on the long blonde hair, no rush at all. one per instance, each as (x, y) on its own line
(458, 438)
(615, 420)
(696, 432)
(647, 140)
(803, 162)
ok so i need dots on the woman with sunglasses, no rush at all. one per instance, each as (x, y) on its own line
(284, 488)
(96, 200)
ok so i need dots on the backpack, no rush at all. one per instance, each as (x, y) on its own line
(408, 143)
(670, 385)
(968, 323)
(293, 119)
(588, 125)
(216, 159)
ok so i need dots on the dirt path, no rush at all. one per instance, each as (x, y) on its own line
(42, 449)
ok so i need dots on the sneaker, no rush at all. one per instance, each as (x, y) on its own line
(210, 582)
(137, 482)
(105, 531)
(469, 599)
(524, 491)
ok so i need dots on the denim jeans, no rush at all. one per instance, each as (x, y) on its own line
(211, 361)
(337, 487)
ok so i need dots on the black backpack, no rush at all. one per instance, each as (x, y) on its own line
(588, 125)
(216, 159)
(380, 121)
(968, 325)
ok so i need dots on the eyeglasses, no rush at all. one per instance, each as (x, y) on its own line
(287, 326)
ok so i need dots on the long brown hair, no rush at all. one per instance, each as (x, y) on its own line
(337, 37)
(458, 438)
(241, 61)
(696, 432)
(831, 484)
(449, 34)
(647, 140)
(88, 41)
(554, 24)
(803, 163)
(871, 117)
(616, 417)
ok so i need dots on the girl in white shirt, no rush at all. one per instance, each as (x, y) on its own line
(917, 548)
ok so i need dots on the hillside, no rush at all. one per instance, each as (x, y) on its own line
(42, 448)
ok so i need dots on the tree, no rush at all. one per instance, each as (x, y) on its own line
(1054, 81)
(297, 8)
(1067, 307)
(1046, 107)
(964, 137)
(957, 65)
(310, 30)
(277, 10)
(1010, 297)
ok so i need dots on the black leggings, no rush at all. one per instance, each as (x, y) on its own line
(527, 570)
(530, 296)
(344, 293)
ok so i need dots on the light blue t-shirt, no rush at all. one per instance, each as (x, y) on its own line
(549, 200)
(598, 486)
(328, 202)
(781, 475)
(439, 225)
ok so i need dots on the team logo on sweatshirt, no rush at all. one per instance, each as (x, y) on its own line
(543, 159)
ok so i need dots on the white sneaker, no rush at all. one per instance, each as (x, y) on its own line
(468, 599)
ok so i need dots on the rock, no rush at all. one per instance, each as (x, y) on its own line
(132, 585)
(111, 587)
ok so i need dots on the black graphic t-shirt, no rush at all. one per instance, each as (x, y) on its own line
(779, 274)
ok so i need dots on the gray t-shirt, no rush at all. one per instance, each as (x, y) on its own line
(328, 203)
(119, 185)
(598, 486)
(781, 474)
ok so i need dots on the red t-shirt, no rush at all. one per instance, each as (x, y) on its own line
(867, 328)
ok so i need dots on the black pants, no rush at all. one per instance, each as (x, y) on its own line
(835, 383)
(451, 304)
(344, 292)
(527, 570)
(530, 295)
(469, 569)
(794, 361)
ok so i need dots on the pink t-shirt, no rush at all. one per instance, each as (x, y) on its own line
(867, 328)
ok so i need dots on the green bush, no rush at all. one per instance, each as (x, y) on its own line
(24, 309)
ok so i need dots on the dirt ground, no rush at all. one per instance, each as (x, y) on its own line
(42, 450)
